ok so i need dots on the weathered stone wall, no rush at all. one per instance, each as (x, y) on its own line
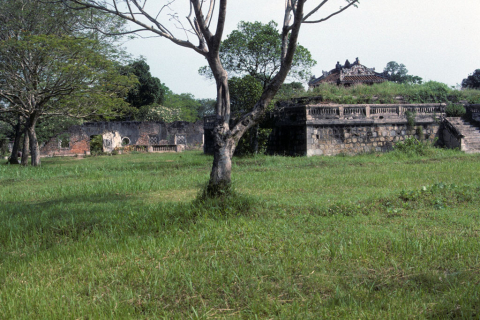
(188, 135)
(354, 139)
(351, 129)
(79, 143)
(308, 129)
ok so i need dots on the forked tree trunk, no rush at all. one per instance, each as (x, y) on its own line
(34, 148)
(220, 176)
(26, 147)
(16, 144)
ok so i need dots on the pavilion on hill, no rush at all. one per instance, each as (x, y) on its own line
(349, 74)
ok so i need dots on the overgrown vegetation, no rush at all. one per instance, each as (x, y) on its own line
(377, 236)
(389, 92)
(455, 110)
(415, 147)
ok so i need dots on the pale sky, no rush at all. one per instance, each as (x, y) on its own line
(435, 39)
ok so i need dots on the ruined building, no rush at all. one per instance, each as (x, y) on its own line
(349, 74)
(307, 127)
(139, 136)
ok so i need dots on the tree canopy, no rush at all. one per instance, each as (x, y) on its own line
(398, 73)
(149, 90)
(244, 93)
(255, 49)
(51, 66)
(472, 81)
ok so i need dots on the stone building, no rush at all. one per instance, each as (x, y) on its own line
(349, 74)
(305, 127)
(140, 136)
(309, 128)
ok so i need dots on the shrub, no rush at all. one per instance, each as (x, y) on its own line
(410, 118)
(96, 144)
(413, 146)
(455, 110)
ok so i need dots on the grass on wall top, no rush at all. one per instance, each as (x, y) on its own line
(389, 92)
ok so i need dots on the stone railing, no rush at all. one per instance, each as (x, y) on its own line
(372, 111)
(164, 148)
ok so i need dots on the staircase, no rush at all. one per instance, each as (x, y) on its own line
(470, 133)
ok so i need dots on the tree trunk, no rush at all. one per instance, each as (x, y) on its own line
(16, 145)
(34, 148)
(255, 138)
(220, 176)
(26, 147)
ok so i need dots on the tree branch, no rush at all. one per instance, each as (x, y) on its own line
(333, 14)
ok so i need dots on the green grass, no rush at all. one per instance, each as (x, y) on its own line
(374, 236)
(387, 92)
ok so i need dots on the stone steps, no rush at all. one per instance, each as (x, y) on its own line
(470, 132)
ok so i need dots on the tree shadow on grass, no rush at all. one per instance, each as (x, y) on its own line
(75, 217)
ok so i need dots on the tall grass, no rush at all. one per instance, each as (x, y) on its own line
(389, 92)
(375, 236)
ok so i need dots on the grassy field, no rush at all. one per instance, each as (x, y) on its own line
(377, 236)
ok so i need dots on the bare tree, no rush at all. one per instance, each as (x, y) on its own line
(198, 23)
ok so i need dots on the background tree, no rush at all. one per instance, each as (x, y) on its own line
(288, 90)
(472, 81)
(185, 105)
(206, 108)
(398, 73)
(208, 37)
(255, 49)
(149, 89)
(50, 67)
(244, 94)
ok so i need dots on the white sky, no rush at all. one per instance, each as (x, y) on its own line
(435, 39)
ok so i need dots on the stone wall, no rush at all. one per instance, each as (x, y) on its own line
(355, 139)
(148, 135)
(330, 129)
(302, 128)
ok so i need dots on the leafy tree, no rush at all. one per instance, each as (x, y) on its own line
(177, 107)
(255, 49)
(244, 93)
(472, 81)
(199, 17)
(49, 66)
(185, 105)
(287, 90)
(398, 73)
(206, 108)
(149, 89)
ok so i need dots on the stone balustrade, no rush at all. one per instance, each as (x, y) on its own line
(372, 111)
